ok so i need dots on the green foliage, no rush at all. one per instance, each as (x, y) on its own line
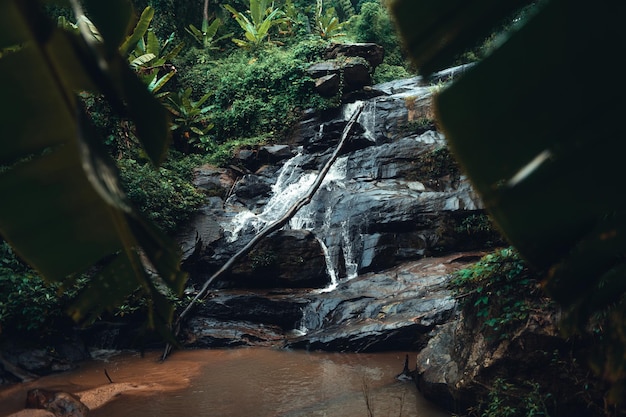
(56, 160)
(262, 259)
(206, 36)
(386, 72)
(374, 24)
(347, 8)
(147, 56)
(475, 223)
(262, 17)
(435, 164)
(221, 154)
(507, 399)
(191, 119)
(145, 53)
(295, 21)
(166, 195)
(499, 291)
(258, 94)
(327, 23)
(29, 306)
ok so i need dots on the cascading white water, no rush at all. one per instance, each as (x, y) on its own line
(367, 118)
(293, 183)
(290, 186)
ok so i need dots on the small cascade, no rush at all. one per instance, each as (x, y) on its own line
(332, 271)
(367, 118)
(290, 186)
(348, 244)
(317, 217)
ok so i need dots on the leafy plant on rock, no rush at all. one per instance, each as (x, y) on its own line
(499, 291)
(259, 95)
(166, 195)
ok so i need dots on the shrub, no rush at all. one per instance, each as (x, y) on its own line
(165, 195)
(28, 305)
(260, 93)
(500, 292)
(513, 400)
(374, 24)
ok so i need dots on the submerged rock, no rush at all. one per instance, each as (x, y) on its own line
(61, 404)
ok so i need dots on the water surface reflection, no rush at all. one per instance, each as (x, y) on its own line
(251, 382)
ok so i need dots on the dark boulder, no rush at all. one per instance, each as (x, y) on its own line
(461, 364)
(328, 85)
(213, 180)
(285, 259)
(371, 52)
(282, 311)
(344, 75)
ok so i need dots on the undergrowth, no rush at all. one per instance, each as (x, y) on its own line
(499, 290)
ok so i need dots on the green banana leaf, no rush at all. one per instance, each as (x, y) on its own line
(138, 32)
(537, 127)
(62, 209)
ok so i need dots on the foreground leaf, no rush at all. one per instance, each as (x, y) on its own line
(63, 209)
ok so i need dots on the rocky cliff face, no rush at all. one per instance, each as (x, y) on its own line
(395, 195)
(363, 266)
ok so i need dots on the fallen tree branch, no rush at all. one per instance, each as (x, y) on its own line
(270, 228)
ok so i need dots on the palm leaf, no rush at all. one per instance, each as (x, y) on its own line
(138, 32)
(544, 154)
(63, 209)
(153, 45)
(142, 60)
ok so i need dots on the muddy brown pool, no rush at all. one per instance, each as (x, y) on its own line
(250, 382)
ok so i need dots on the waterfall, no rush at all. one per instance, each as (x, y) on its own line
(292, 184)
(367, 118)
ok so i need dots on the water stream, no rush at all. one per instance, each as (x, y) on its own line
(293, 183)
(252, 382)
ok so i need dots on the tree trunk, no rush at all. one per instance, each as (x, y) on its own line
(205, 11)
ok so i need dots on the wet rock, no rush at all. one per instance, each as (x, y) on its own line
(396, 309)
(459, 363)
(389, 199)
(284, 312)
(213, 180)
(286, 259)
(345, 74)
(371, 52)
(271, 154)
(203, 332)
(32, 360)
(252, 187)
(61, 404)
(328, 85)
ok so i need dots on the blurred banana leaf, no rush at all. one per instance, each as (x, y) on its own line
(62, 208)
(537, 127)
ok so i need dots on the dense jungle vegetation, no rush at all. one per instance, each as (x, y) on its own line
(232, 74)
